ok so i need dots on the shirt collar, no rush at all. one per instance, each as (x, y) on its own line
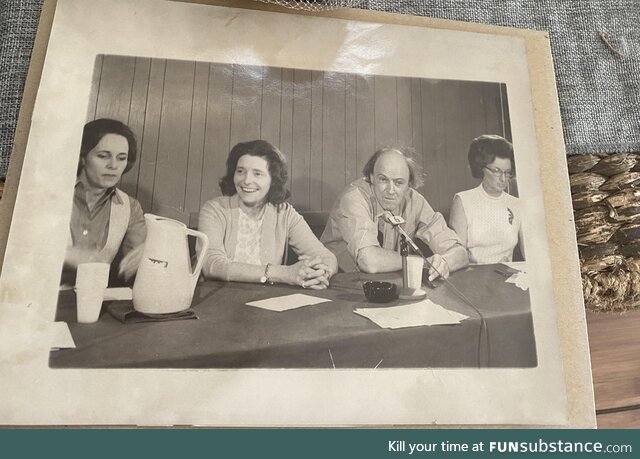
(109, 193)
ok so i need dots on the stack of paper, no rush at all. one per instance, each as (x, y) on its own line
(425, 312)
(284, 303)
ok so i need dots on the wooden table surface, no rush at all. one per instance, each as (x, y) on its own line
(614, 341)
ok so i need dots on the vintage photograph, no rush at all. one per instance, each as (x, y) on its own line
(348, 216)
(277, 167)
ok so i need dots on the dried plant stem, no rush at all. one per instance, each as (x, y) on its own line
(609, 45)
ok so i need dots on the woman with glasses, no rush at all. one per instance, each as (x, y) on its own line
(486, 218)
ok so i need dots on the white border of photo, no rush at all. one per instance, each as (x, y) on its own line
(35, 394)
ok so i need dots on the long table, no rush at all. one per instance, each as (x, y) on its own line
(230, 334)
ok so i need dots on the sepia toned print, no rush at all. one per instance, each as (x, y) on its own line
(327, 110)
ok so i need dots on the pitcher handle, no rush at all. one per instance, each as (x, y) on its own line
(205, 245)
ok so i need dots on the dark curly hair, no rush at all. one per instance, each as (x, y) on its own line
(95, 130)
(415, 171)
(277, 169)
(485, 149)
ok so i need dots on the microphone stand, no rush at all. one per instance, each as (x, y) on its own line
(395, 221)
(404, 252)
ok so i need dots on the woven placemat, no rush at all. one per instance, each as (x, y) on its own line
(607, 217)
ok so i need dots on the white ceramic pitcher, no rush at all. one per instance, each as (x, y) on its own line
(165, 281)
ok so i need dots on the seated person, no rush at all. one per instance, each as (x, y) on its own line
(104, 219)
(486, 218)
(251, 226)
(363, 241)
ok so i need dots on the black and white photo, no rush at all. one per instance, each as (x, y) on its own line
(308, 208)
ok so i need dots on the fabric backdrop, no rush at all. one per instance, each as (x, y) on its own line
(599, 90)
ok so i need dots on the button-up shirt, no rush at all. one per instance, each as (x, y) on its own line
(90, 228)
(353, 225)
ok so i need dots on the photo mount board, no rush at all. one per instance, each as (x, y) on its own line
(28, 323)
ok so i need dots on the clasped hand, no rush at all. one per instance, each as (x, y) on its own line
(438, 267)
(311, 272)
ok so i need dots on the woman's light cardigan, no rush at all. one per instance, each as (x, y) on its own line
(282, 226)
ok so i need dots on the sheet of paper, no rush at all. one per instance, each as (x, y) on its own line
(520, 280)
(61, 336)
(284, 303)
(425, 312)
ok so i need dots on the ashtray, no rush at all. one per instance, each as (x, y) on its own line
(380, 292)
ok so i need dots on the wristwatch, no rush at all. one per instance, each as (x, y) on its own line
(265, 277)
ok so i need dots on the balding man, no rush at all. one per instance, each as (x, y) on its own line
(363, 241)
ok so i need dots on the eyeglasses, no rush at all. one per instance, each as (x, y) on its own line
(499, 172)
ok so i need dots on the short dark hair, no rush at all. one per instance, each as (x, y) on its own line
(95, 130)
(485, 149)
(415, 171)
(277, 169)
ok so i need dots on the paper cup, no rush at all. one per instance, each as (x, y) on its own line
(91, 281)
(415, 264)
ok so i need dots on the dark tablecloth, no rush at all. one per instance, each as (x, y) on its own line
(230, 334)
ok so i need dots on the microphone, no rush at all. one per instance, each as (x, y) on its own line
(396, 221)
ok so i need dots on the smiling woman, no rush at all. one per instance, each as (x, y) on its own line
(106, 223)
(251, 226)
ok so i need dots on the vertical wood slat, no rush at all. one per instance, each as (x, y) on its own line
(286, 119)
(217, 129)
(95, 87)
(271, 105)
(493, 110)
(386, 111)
(475, 125)
(116, 82)
(333, 138)
(247, 97)
(301, 145)
(452, 166)
(137, 110)
(365, 120)
(440, 157)
(196, 141)
(473, 115)
(437, 158)
(173, 144)
(416, 121)
(506, 117)
(315, 170)
(405, 113)
(431, 142)
(351, 168)
(151, 133)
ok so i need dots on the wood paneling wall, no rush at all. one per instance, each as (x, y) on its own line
(187, 116)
